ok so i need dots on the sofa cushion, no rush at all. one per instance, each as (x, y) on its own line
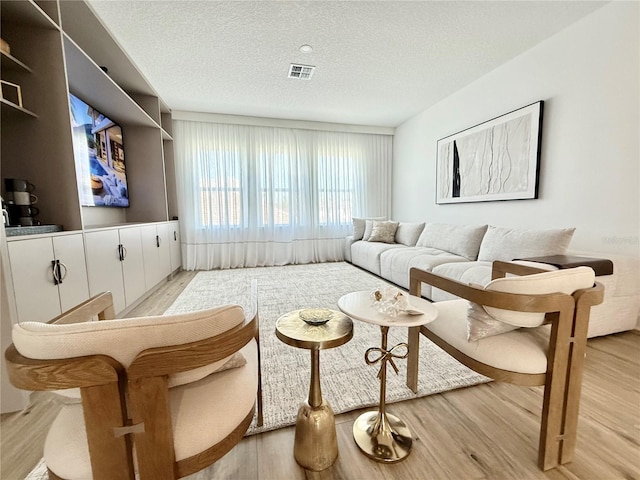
(367, 254)
(508, 243)
(359, 225)
(478, 273)
(461, 240)
(395, 263)
(408, 233)
(384, 232)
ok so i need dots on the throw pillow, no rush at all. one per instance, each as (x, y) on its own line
(182, 378)
(480, 324)
(383, 232)
(359, 225)
(508, 244)
(408, 233)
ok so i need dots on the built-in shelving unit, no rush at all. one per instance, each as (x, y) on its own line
(61, 47)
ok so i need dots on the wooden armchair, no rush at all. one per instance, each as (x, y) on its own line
(526, 356)
(159, 395)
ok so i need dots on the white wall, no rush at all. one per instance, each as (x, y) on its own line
(588, 76)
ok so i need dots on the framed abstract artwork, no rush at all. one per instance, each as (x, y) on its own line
(496, 160)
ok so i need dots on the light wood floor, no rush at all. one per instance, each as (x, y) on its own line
(487, 431)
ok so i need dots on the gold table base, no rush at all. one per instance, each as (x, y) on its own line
(382, 437)
(316, 444)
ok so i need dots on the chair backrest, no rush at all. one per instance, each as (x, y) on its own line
(558, 281)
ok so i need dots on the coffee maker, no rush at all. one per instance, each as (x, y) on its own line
(19, 203)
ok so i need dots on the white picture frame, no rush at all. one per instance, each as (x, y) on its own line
(496, 160)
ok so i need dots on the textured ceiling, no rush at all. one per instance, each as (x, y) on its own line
(377, 63)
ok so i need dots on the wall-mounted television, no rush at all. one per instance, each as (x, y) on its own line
(98, 150)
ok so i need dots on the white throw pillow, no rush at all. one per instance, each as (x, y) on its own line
(182, 378)
(463, 240)
(359, 225)
(480, 324)
(383, 232)
(508, 243)
(408, 233)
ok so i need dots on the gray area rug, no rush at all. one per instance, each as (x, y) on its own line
(347, 382)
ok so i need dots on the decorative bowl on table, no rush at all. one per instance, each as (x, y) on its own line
(315, 316)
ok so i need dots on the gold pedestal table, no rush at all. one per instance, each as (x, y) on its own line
(380, 435)
(316, 444)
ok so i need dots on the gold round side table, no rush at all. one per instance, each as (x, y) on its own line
(316, 444)
(381, 436)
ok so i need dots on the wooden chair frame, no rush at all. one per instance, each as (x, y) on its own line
(569, 319)
(105, 384)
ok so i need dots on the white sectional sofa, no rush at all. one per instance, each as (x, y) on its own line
(466, 252)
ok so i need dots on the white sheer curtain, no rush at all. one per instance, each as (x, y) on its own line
(256, 196)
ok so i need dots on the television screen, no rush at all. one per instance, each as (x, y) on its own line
(99, 157)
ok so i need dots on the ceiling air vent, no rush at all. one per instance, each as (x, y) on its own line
(301, 71)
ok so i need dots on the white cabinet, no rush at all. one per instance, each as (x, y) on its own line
(49, 275)
(175, 247)
(132, 264)
(156, 253)
(103, 265)
(115, 263)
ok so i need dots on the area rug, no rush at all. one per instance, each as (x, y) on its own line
(347, 382)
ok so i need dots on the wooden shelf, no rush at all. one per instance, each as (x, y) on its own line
(27, 13)
(88, 82)
(10, 107)
(9, 62)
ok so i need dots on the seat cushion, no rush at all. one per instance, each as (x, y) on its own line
(522, 351)
(367, 254)
(203, 413)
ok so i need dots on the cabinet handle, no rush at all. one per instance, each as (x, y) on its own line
(55, 272)
(122, 252)
(158, 241)
(175, 236)
(58, 275)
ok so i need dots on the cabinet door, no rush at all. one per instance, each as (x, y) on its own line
(164, 250)
(103, 265)
(35, 292)
(133, 264)
(73, 287)
(152, 269)
(175, 248)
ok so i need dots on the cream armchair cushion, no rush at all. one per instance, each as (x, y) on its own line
(562, 281)
(123, 339)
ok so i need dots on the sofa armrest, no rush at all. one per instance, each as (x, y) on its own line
(348, 241)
